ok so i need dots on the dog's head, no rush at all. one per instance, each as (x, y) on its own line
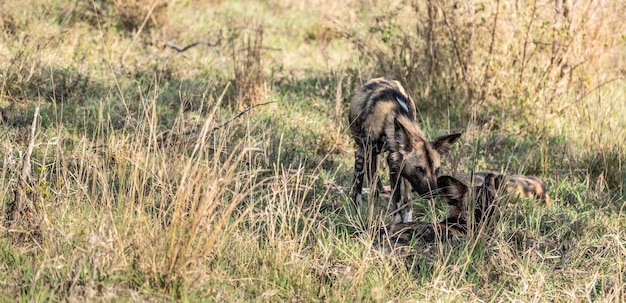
(459, 195)
(417, 159)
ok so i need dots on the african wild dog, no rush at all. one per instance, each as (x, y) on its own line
(484, 194)
(458, 195)
(527, 187)
(516, 185)
(382, 118)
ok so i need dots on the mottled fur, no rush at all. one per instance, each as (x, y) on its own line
(458, 195)
(516, 185)
(482, 190)
(382, 119)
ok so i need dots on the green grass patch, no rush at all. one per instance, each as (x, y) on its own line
(222, 172)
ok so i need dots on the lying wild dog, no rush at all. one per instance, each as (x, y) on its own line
(382, 118)
(516, 185)
(458, 195)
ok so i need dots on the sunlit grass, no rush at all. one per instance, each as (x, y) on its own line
(155, 190)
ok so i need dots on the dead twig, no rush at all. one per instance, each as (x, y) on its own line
(168, 135)
(587, 93)
(180, 50)
(240, 114)
(25, 175)
(22, 208)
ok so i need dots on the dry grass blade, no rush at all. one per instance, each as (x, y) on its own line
(25, 220)
(250, 202)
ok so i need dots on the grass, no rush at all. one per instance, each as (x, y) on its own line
(147, 185)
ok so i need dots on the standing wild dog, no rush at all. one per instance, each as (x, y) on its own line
(382, 118)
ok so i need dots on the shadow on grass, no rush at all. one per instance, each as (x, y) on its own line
(301, 131)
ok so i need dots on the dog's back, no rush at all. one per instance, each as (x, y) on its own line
(372, 107)
(517, 185)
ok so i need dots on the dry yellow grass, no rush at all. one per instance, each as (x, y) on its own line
(152, 187)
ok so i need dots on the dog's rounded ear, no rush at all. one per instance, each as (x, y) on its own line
(443, 144)
(493, 180)
(452, 189)
(499, 181)
(490, 190)
(486, 210)
(489, 180)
